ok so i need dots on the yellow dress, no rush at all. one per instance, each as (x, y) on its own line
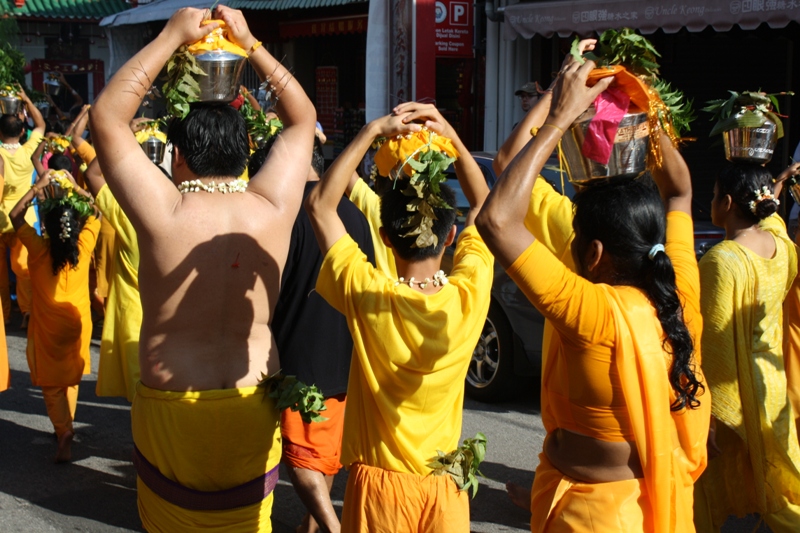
(5, 375)
(60, 328)
(119, 347)
(759, 468)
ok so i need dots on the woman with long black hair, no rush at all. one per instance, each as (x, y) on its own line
(755, 456)
(622, 398)
(60, 327)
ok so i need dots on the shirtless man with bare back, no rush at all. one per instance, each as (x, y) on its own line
(206, 438)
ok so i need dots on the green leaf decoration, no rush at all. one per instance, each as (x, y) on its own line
(181, 87)
(623, 47)
(429, 167)
(258, 127)
(290, 393)
(680, 111)
(462, 464)
(749, 109)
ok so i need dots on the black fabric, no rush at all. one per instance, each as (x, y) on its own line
(313, 341)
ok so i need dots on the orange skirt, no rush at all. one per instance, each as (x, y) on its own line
(316, 446)
(381, 501)
(562, 504)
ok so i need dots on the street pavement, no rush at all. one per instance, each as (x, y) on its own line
(96, 492)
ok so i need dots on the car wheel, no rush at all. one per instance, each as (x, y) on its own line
(490, 377)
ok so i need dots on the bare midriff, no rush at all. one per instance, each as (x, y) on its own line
(591, 460)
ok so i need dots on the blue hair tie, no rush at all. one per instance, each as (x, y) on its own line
(654, 250)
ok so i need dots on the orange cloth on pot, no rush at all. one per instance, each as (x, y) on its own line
(401, 147)
(627, 82)
(216, 40)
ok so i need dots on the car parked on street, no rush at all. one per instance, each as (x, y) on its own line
(510, 346)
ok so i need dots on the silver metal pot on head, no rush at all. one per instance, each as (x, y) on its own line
(52, 89)
(154, 148)
(224, 71)
(752, 145)
(628, 154)
(10, 105)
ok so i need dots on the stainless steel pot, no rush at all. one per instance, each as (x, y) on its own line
(224, 71)
(44, 107)
(10, 105)
(752, 145)
(628, 155)
(154, 148)
(52, 89)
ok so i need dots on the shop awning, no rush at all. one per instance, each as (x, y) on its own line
(587, 16)
(62, 9)
(164, 9)
(326, 26)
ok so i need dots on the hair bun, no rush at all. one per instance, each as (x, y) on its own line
(765, 208)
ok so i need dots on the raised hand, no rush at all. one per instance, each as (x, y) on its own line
(184, 27)
(393, 124)
(571, 96)
(433, 118)
(238, 31)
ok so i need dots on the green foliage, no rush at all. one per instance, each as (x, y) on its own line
(290, 393)
(462, 464)
(634, 52)
(623, 47)
(181, 88)
(749, 109)
(680, 108)
(12, 65)
(258, 127)
(78, 202)
(424, 186)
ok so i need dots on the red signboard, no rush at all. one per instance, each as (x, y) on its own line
(454, 28)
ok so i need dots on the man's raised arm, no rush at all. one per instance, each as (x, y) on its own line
(322, 203)
(282, 176)
(127, 168)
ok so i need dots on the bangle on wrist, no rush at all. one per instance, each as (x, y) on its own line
(256, 46)
(553, 126)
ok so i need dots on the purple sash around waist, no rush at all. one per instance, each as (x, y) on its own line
(249, 493)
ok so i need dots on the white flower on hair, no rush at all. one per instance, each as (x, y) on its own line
(763, 194)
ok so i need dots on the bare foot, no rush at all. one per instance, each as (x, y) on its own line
(520, 496)
(64, 454)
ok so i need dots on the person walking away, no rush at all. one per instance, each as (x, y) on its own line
(207, 441)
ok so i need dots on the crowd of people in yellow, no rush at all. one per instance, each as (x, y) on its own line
(668, 387)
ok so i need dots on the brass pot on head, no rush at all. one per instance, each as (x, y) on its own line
(628, 155)
(751, 145)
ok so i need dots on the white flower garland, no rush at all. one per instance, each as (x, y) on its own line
(11, 146)
(237, 185)
(439, 279)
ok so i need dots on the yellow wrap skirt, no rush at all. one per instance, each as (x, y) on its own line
(205, 441)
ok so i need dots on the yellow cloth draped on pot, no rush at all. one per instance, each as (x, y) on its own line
(743, 294)
(216, 40)
(119, 347)
(207, 441)
(401, 147)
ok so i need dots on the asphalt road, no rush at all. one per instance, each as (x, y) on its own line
(96, 492)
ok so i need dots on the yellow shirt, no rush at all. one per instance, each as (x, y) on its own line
(369, 203)
(18, 179)
(411, 353)
(119, 348)
(60, 327)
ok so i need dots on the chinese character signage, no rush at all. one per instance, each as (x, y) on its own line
(454, 28)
